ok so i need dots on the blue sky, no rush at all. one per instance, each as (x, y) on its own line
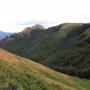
(15, 15)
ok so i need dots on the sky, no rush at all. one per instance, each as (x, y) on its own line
(15, 15)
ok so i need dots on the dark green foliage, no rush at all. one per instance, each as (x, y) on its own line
(66, 50)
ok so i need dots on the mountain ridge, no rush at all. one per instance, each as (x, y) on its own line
(65, 47)
(37, 26)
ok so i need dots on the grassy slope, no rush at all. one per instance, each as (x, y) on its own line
(28, 75)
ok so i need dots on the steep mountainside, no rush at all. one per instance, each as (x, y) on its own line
(24, 74)
(65, 47)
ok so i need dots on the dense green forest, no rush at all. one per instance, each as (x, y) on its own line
(65, 47)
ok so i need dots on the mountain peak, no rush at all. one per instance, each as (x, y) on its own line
(37, 26)
(26, 29)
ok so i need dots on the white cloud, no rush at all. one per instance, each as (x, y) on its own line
(58, 11)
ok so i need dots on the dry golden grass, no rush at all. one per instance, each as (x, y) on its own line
(59, 84)
(11, 59)
(69, 26)
(38, 69)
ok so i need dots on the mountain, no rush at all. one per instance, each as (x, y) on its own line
(37, 26)
(26, 30)
(65, 47)
(4, 34)
(24, 74)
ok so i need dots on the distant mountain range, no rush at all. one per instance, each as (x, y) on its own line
(4, 34)
(65, 47)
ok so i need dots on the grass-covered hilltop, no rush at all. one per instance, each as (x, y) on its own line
(24, 74)
(65, 47)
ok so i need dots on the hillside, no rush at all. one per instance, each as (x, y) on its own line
(65, 47)
(24, 74)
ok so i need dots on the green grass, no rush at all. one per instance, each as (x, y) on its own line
(22, 79)
(28, 75)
